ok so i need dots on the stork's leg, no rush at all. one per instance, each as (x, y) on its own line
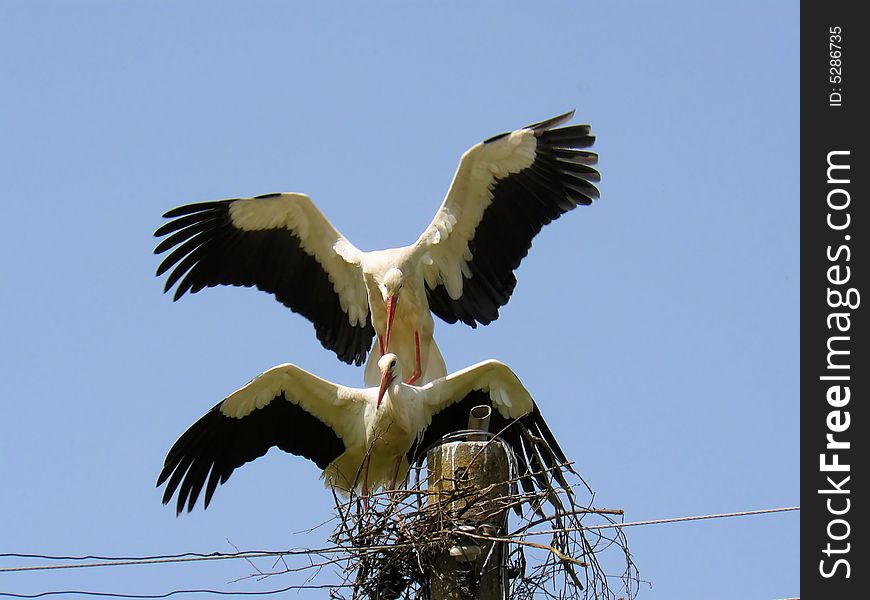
(365, 485)
(365, 482)
(396, 472)
(381, 344)
(418, 369)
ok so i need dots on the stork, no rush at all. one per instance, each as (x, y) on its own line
(460, 268)
(361, 438)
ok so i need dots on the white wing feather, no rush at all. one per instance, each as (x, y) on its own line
(507, 392)
(318, 237)
(339, 407)
(444, 243)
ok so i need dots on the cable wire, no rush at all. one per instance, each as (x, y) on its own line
(152, 561)
(164, 595)
(195, 556)
(744, 513)
(136, 558)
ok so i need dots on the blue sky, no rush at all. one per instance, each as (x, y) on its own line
(657, 329)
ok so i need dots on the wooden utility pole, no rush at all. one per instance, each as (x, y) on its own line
(471, 568)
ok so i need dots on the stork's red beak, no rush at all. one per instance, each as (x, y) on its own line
(386, 379)
(392, 301)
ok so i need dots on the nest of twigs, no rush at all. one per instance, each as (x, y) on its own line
(543, 543)
(431, 540)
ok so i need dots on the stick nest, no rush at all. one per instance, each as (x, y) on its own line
(551, 542)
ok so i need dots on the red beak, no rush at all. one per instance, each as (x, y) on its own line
(392, 301)
(386, 379)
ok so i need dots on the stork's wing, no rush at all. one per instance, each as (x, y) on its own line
(286, 407)
(515, 418)
(282, 244)
(504, 191)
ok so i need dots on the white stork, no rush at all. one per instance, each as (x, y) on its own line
(461, 267)
(361, 438)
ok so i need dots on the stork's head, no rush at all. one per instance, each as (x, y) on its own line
(390, 371)
(393, 280)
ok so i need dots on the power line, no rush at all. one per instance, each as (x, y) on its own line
(763, 511)
(195, 556)
(97, 557)
(165, 595)
(161, 560)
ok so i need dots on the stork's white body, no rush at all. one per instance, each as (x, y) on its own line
(390, 430)
(385, 432)
(412, 318)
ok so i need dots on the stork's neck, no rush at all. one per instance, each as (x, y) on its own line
(397, 401)
(395, 394)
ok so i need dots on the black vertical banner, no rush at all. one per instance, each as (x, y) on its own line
(835, 366)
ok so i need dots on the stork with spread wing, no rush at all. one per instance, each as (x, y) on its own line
(461, 268)
(361, 438)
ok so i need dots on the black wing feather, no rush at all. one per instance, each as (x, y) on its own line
(208, 250)
(531, 440)
(560, 178)
(213, 447)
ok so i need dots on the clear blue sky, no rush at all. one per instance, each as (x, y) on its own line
(657, 329)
